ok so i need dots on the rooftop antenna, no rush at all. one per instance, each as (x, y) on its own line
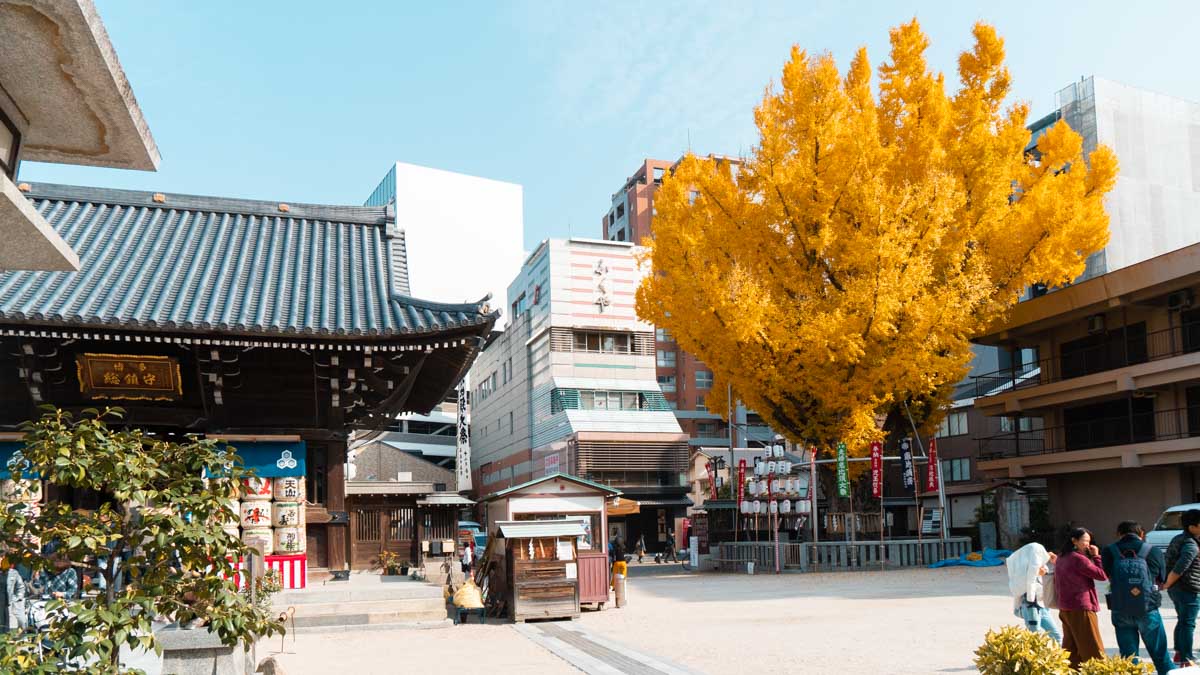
(689, 137)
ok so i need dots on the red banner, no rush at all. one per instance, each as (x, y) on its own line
(812, 485)
(741, 484)
(712, 481)
(877, 469)
(931, 480)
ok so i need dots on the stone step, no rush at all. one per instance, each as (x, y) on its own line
(434, 604)
(342, 592)
(406, 625)
(349, 616)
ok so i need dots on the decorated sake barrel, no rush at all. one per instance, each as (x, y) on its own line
(285, 514)
(256, 514)
(232, 530)
(21, 490)
(259, 539)
(256, 489)
(289, 540)
(289, 489)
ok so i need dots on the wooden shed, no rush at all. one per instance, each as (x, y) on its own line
(561, 497)
(541, 559)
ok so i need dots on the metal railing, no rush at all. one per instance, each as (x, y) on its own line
(1117, 352)
(827, 556)
(1136, 427)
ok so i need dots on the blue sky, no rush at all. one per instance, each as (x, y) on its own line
(311, 101)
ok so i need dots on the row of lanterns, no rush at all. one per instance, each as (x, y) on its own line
(783, 506)
(782, 487)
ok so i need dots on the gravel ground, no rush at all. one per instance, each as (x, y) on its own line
(895, 622)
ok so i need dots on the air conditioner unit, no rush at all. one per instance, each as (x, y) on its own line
(1095, 324)
(1180, 299)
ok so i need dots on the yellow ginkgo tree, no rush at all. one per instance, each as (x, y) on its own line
(841, 269)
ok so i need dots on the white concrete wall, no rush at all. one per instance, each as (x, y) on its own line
(465, 235)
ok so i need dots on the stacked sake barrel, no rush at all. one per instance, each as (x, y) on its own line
(272, 514)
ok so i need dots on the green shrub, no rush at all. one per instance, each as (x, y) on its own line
(1115, 666)
(1013, 650)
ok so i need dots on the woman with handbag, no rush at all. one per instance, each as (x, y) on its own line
(1031, 588)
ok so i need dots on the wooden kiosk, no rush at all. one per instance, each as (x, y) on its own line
(542, 568)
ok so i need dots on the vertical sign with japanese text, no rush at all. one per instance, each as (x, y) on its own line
(877, 470)
(906, 461)
(741, 484)
(843, 471)
(931, 477)
(712, 481)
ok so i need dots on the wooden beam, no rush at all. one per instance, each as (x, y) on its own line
(255, 438)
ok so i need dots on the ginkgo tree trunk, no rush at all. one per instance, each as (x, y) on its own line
(841, 269)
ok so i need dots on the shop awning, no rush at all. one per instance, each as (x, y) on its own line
(536, 529)
(621, 506)
(272, 459)
(7, 450)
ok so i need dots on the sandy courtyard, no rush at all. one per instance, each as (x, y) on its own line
(903, 621)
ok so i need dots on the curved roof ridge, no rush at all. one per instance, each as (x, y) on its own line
(360, 215)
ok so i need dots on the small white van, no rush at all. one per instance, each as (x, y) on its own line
(1169, 524)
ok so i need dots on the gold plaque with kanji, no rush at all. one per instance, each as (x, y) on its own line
(129, 377)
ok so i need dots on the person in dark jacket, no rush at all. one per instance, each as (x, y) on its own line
(1183, 584)
(1075, 576)
(1150, 625)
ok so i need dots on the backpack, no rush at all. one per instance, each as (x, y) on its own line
(1131, 590)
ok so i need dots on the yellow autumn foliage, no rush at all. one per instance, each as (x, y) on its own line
(842, 267)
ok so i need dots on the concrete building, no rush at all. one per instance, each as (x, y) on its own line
(1116, 392)
(463, 235)
(570, 387)
(63, 99)
(684, 379)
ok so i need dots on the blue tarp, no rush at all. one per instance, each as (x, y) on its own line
(272, 459)
(992, 557)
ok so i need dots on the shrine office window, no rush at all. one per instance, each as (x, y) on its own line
(10, 144)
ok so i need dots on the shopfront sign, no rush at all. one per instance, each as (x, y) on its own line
(129, 377)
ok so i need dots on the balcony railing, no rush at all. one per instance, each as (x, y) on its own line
(1159, 425)
(1119, 352)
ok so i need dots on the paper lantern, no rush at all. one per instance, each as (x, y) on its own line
(785, 506)
(757, 506)
(745, 507)
(773, 506)
(770, 468)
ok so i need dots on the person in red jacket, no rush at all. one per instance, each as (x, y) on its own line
(1078, 569)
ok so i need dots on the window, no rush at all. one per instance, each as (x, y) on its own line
(620, 235)
(700, 403)
(620, 210)
(519, 307)
(608, 343)
(608, 400)
(666, 358)
(707, 429)
(663, 335)
(10, 142)
(666, 382)
(704, 379)
(955, 424)
(956, 469)
(510, 422)
(658, 174)
(1025, 424)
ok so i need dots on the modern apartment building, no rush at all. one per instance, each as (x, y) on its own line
(684, 379)
(1114, 394)
(570, 387)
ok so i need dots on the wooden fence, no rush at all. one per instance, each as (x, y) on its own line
(828, 556)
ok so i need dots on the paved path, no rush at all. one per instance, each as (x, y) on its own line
(594, 654)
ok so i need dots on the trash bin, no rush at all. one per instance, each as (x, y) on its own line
(619, 590)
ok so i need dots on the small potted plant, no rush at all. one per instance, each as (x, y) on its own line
(392, 564)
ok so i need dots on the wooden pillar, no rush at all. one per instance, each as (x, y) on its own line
(338, 537)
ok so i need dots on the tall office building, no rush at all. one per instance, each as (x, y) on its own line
(569, 387)
(684, 379)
